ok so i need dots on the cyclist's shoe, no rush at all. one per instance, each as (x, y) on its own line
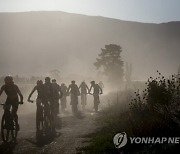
(17, 127)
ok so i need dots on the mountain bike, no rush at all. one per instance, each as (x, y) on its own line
(96, 101)
(9, 127)
(83, 100)
(43, 118)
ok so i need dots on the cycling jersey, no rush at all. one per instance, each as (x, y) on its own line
(84, 88)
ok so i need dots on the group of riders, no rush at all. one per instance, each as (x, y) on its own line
(49, 94)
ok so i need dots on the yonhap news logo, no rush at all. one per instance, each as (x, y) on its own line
(121, 139)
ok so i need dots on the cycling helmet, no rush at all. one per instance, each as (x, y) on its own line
(73, 81)
(39, 82)
(53, 80)
(47, 79)
(8, 79)
(92, 82)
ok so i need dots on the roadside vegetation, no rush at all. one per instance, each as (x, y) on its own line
(154, 112)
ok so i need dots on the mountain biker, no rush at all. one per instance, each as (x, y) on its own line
(12, 91)
(74, 92)
(56, 95)
(40, 91)
(48, 100)
(96, 91)
(84, 90)
(63, 99)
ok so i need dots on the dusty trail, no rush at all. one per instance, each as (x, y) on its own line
(71, 135)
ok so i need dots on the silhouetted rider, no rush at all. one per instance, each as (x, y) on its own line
(56, 95)
(96, 91)
(84, 90)
(63, 99)
(40, 91)
(74, 92)
(12, 91)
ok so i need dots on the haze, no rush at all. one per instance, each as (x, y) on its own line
(37, 42)
(34, 43)
(155, 11)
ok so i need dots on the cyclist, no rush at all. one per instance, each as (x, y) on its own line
(39, 100)
(56, 95)
(12, 91)
(48, 102)
(63, 99)
(84, 90)
(96, 91)
(74, 92)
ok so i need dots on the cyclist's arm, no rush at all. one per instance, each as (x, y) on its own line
(1, 90)
(68, 89)
(78, 90)
(34, 89)
(90, 89)
(61, 93)
(87, 87)
(20, 94)
(66, 93)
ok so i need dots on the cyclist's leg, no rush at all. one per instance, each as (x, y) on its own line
(14, 114)
(53, 108)
(7, 114)
(96, 102)
(74, 102)
(46, 107)
(56, 106)
(39, 113)
(46, 114)
(83, 100)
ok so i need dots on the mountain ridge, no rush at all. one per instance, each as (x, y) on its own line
(71, 41)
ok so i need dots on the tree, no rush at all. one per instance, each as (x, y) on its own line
(110, 62)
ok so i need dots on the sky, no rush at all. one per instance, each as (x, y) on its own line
(150, 11)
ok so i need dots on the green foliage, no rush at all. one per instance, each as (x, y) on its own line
(110, 61)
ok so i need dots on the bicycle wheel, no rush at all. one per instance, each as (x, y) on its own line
(47, 124)
(14, 130)
(6, 130)
(39, 120)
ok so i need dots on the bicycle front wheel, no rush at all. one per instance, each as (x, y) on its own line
(7, 132)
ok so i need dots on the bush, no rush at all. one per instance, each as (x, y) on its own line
(155, 112)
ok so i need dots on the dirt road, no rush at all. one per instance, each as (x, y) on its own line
(71, 135)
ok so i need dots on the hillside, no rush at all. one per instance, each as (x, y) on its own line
(36, 42)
